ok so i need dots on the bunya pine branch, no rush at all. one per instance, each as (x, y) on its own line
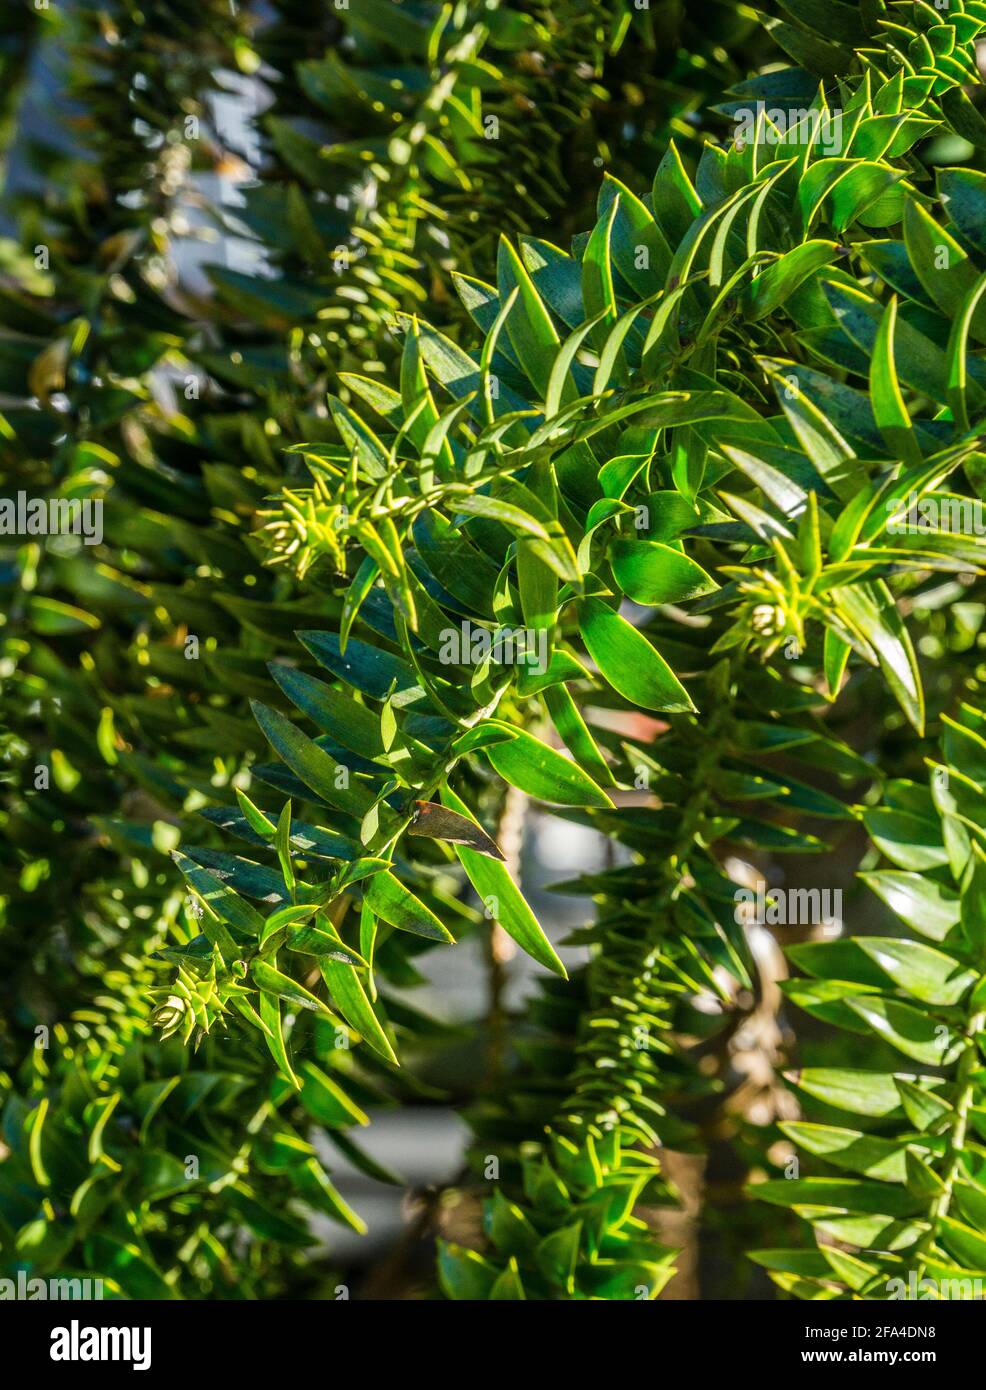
(904, 1215)
(615, 437)
(174, 547)
(832, 567)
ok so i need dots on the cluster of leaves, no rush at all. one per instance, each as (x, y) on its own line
(97, 350)
(126, 1161)
(608, 1075)
(721, 406)
(913, 1206)
(84, 326)
(409, 136)
(99, 335)
(612, 433)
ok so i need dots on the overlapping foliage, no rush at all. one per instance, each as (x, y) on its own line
(904, 1217)
(684, 461)
(542, 473)
(101, 693)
